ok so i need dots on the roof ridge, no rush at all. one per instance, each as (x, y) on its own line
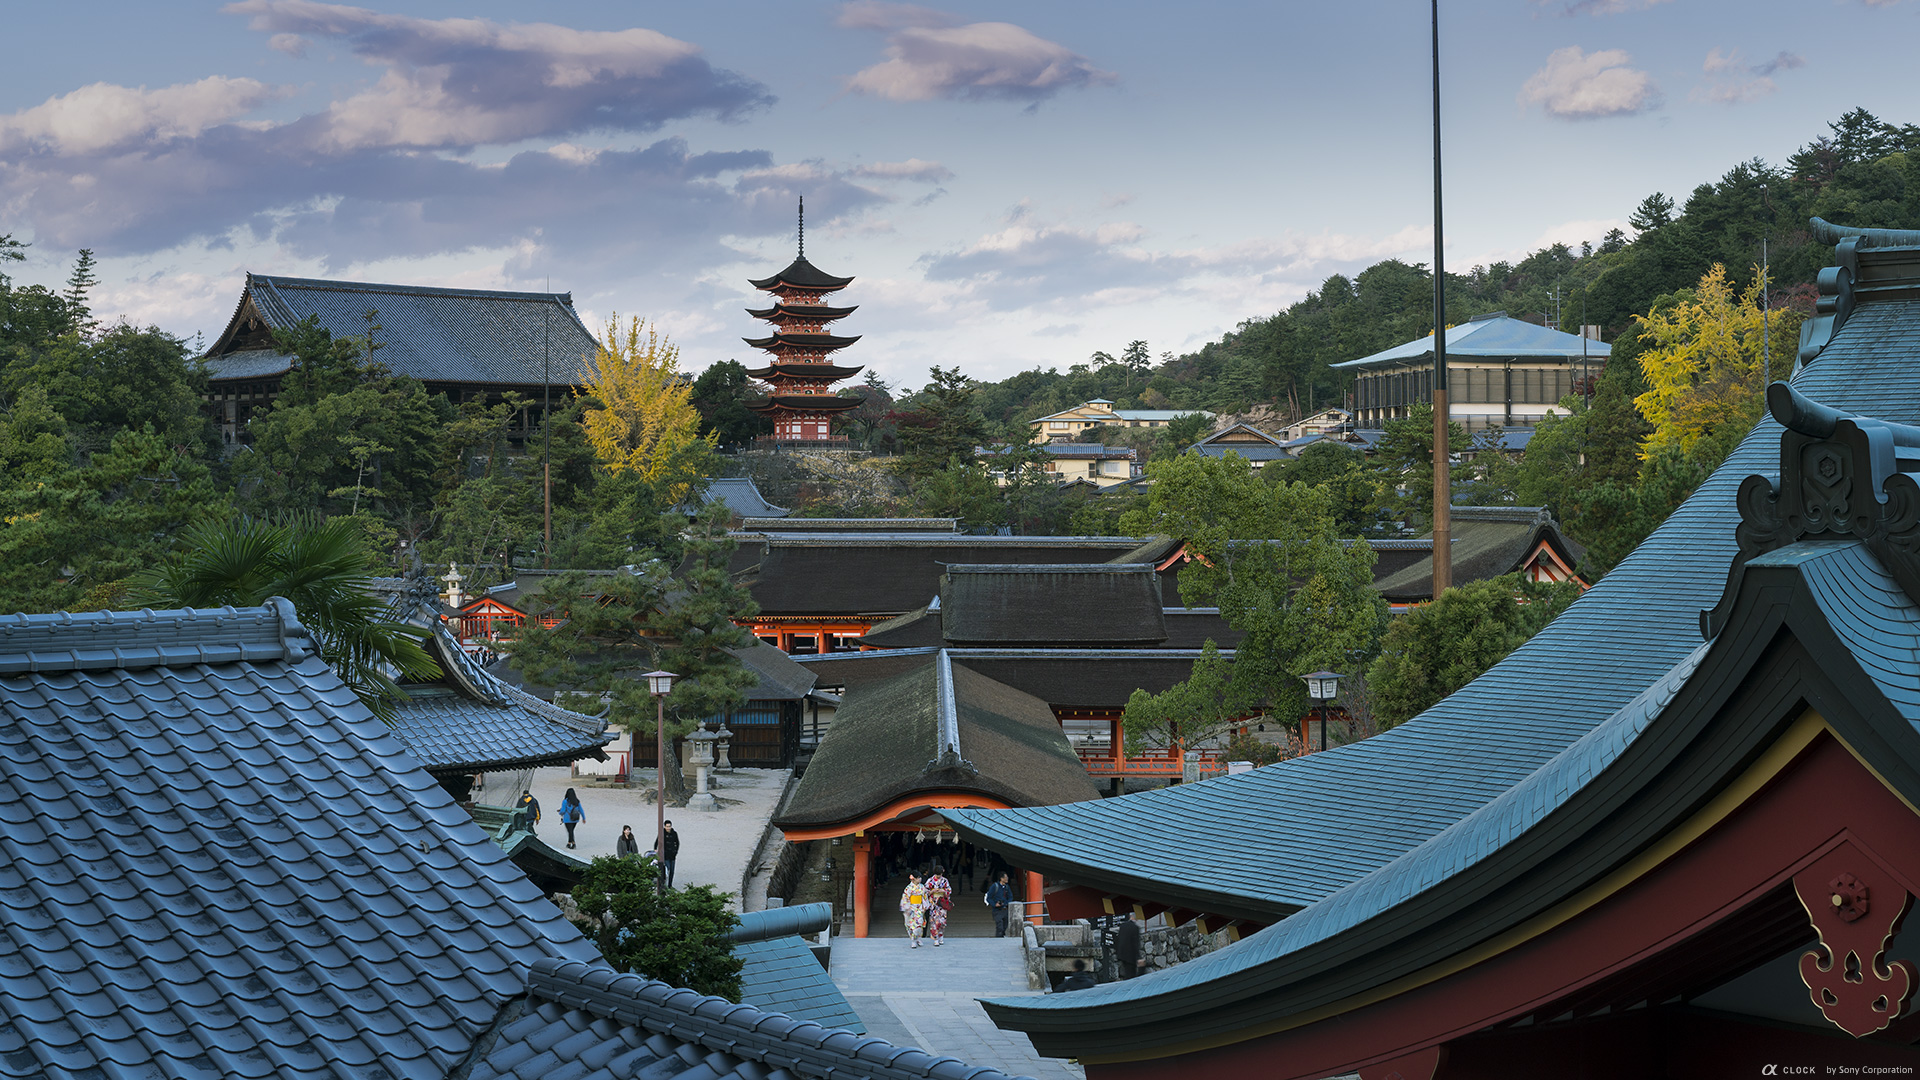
(741, 1030)
(65, 641)
(334, 285)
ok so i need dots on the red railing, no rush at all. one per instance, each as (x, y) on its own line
(1162, 762)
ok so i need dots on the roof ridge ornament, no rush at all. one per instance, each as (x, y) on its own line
(1842, 477)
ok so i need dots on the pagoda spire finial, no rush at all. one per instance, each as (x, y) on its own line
(803, 226)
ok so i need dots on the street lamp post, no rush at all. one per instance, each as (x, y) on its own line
(660, 684)
(1321, 687)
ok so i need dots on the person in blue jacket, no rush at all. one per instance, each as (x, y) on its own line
(571, 814)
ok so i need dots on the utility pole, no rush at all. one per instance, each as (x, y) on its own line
(1442, 413)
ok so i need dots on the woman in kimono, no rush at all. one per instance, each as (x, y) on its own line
(939, 902)
(913, 907)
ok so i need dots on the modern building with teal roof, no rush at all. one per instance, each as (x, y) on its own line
(1501, 371)
(1679, 826)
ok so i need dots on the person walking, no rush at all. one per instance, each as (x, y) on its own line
(999, 895)
(628, 846)
(571, 814)
(1126, 947)
(913, 907)
(666, 848)
(939, 902)
(532, 806)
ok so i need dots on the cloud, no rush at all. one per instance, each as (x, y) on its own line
(1576, 85)
(466, 82)
(926, 172)
(928, 58)
(102, 117)
(1600, 7)
(1728, 81)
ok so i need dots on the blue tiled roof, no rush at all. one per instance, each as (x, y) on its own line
(1411, 782)
(743, 497)
(781, 975)
(1496, 336)
(471, 721)
(1249, 451)
(435, 335)
(588, 1023)
(217, 863)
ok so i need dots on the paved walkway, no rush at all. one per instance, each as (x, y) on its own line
(927, 997)
(716, 846)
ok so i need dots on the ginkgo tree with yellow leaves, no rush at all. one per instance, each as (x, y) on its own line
(643, 420)
(1703, 365)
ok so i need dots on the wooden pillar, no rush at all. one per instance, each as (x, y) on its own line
(862, 884)
(1036, 894)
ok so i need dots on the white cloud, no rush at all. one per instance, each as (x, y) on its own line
(1577, 85)
(1601, 7)
(929, 59)
(926, 172)
(1732, 82)
(103, 117)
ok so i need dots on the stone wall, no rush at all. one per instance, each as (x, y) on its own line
(850, 481)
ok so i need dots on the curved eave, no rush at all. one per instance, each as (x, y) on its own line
(821, 342)
(810, 312)
(1612, 809)
(800, 369)
(807, 404)
(943, 799)
(801, 276)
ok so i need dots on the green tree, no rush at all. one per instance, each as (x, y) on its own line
(1268, 557)
(963, 490)
(702, 620)
(678, 936)
(721, 393)
(1406, 459)
(945, 428)
(1654, 211)
(324, 568)
(1438, 648)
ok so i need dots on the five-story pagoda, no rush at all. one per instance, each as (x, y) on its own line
(801, 372)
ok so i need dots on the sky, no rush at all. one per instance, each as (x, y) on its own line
(1012, 185)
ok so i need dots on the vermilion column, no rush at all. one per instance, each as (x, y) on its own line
(1036, 894)
(862, 884)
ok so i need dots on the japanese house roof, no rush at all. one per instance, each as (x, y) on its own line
(779, 972)
(803, 276)
(1469, 777)
(807, 403)
(883, 574)
(1093, 678)
(1490, 337)
(1237, 436)
(936, 727)
(473, 336)
(470, 721)
(1067, 604)
(742, 496)
(1487, 541)
(232, 868)
(1249, 451)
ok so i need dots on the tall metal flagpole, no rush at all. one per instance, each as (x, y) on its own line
(1442, 412)
(546, 425)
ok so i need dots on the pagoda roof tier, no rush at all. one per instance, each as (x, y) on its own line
(803, 311)
(803, 369)
(801, 276)
(802, 341)
(805, 403)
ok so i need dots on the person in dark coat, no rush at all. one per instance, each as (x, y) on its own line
(571, 814)
(1126, 947)
(1081, 979)
(999, 895)
(628, 846)
(532, 806)
(666, 848)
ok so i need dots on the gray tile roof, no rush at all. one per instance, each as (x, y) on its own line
(217, 863)
(470, 721)
(1487, 541)
(781, 975)
(590, 1023)
(434, 335)
(1084, 604)
(743, 498)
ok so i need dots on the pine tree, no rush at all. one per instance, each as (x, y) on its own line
(80, 285)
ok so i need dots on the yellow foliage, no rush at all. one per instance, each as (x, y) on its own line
(646, 421)
(1704, 368)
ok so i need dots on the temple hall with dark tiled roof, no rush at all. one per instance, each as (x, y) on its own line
(218, 863)
(1673, 834)
(470, 344)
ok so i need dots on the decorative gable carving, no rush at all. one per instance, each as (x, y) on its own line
(1841, 478)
